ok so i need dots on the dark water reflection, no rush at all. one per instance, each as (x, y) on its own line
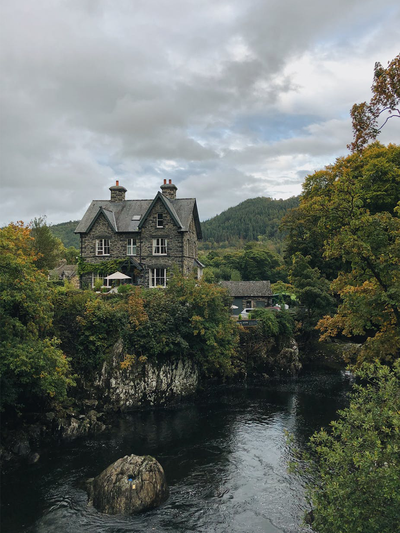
(225, 459)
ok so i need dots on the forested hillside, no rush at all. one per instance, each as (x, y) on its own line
(251, 219)
(65, 232)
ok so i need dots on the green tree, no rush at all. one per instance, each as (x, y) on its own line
(370, 291)
(71, 255)
(332, 197)
(212, 336)
(312, 291)
(355, 464)
(351, 209)
(48, 249)
(32, 367)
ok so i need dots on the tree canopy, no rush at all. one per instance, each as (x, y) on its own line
(48, 249)
(32, 367)
(352, 209)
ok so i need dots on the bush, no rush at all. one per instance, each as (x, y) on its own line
(125, 288)
(356, 463)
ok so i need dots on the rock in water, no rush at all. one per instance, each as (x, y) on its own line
(130, 485)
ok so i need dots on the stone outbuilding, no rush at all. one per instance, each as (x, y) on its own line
(248, 294)
(65, 272)
(143, 239)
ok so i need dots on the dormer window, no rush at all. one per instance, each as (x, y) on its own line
(160, 220)
(159, 246)
(102, 247)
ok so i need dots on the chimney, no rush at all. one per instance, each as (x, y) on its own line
(169, 189)
(117, 193)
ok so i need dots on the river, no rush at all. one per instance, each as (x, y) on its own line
(225, 459)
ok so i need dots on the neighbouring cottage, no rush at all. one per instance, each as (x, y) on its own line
(248, 294)
(65, 272)
(141, 238)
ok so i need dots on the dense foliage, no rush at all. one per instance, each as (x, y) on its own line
(313, 295)
(251, 220)
(32, 367)
(188, 319)
(348, 226)
(256, 261)
(48, 249)
(356, 464)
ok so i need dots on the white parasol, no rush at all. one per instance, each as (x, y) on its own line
(117, 275)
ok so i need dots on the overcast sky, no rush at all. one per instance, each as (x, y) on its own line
(230, 99)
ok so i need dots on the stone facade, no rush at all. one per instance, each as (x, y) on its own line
(165, 232)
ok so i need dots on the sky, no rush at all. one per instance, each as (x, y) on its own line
(230, 99)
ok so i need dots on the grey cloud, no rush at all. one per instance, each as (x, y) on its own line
(95, 89)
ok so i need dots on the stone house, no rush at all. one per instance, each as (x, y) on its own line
(143, 239)
(248, 294)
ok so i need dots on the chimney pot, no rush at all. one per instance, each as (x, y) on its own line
(117, 193)
(169, 190)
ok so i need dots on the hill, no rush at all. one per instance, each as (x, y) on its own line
(251, 220)
(65, 232)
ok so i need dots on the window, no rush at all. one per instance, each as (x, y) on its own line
(131, 247)
(248, 303)
(96, 276)
(160, 220)
(159, 246)
(158, 277)
(103, 247)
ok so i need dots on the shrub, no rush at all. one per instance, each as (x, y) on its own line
(356, 463)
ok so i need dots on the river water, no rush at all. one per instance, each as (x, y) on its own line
(225, 458)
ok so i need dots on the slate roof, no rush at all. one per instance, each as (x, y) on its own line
(120, 214)
(247, 288)
(64, 270)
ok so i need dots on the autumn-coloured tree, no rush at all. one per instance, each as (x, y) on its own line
(369, 118)
(351, 207)
(32, 367)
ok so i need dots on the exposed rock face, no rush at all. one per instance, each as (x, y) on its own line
(132, 484)
(141, 384)
(72, 425)
(288, 361)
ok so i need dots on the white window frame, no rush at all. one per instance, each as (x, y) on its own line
(157, 277)
(160, 246)
(101, 246)
(160, 220)
(131, 247)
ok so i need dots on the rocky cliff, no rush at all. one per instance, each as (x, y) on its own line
(126, 387)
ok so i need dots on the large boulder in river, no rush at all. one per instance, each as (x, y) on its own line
(130, 485)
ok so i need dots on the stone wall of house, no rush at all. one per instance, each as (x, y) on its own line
(144, 384)
(190, 248)
(170, 232)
